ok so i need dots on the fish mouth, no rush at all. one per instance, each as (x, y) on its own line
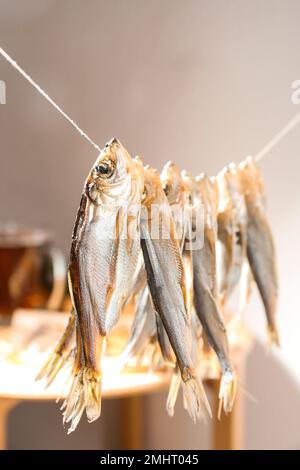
(112, 141)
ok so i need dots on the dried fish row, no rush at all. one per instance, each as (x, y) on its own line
(175, 247)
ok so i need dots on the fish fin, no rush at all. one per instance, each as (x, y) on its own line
(60, 355)
(92, 381)
(75, 402)
(85, 391)
(173, 392)
(273, 337)
(50, 369)
(114, 309)
(227, 392)
(195, 396)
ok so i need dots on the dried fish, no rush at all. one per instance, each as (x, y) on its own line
(206, 298)
(175, 249)
(104, 255)
(260, 245)
(165, 275)
(236, 276)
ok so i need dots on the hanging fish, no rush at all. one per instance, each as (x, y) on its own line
(164, 267)
(104, 254)
(206, 299)
(236, 276)
(179, 200)
(226, 235)
(260, 245)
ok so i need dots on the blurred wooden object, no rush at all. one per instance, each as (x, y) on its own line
(228, 433)
(20, 364)
(132, 437)
(5, 407)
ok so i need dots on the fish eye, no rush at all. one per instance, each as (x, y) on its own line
(105, 169)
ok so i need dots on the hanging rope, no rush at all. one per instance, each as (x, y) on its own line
(278, 137)
(263, 152)
(44, 94)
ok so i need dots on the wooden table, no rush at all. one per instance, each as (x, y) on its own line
(20, 385)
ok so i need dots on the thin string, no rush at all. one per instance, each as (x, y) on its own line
(278, 137)
(44, 94)
(261, 154)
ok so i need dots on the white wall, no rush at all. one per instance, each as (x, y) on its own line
(200, 82)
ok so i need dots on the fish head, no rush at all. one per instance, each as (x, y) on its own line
(115, 178)
(224, 197)
(232, 180)
(173, 184)
(250, 177)
(191, 185)
(152, 191)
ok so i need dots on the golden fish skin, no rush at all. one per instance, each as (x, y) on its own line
(260, 245)
(165, 275)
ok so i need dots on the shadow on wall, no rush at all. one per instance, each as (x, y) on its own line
(274, 384)
(39, 425)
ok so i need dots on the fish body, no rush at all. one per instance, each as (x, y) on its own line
(206, 296)
(235, 245)
(165, 274)
(143, 329)
(260, 245)
(226, 236)
(104, 254)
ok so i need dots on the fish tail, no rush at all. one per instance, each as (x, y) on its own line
(227, 392)
(273, 337)
(92, 380)
(59, 356)
(85, 391)
(194, 395)
(74, 403)
(173, 392)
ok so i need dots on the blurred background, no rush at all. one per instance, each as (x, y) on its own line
(199, 82)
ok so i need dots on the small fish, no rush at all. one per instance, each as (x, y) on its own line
(164, 267)
(260, 245)
(226, 236)
(179, 200)
(104, 254)
(206, 298)
(236, 268)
